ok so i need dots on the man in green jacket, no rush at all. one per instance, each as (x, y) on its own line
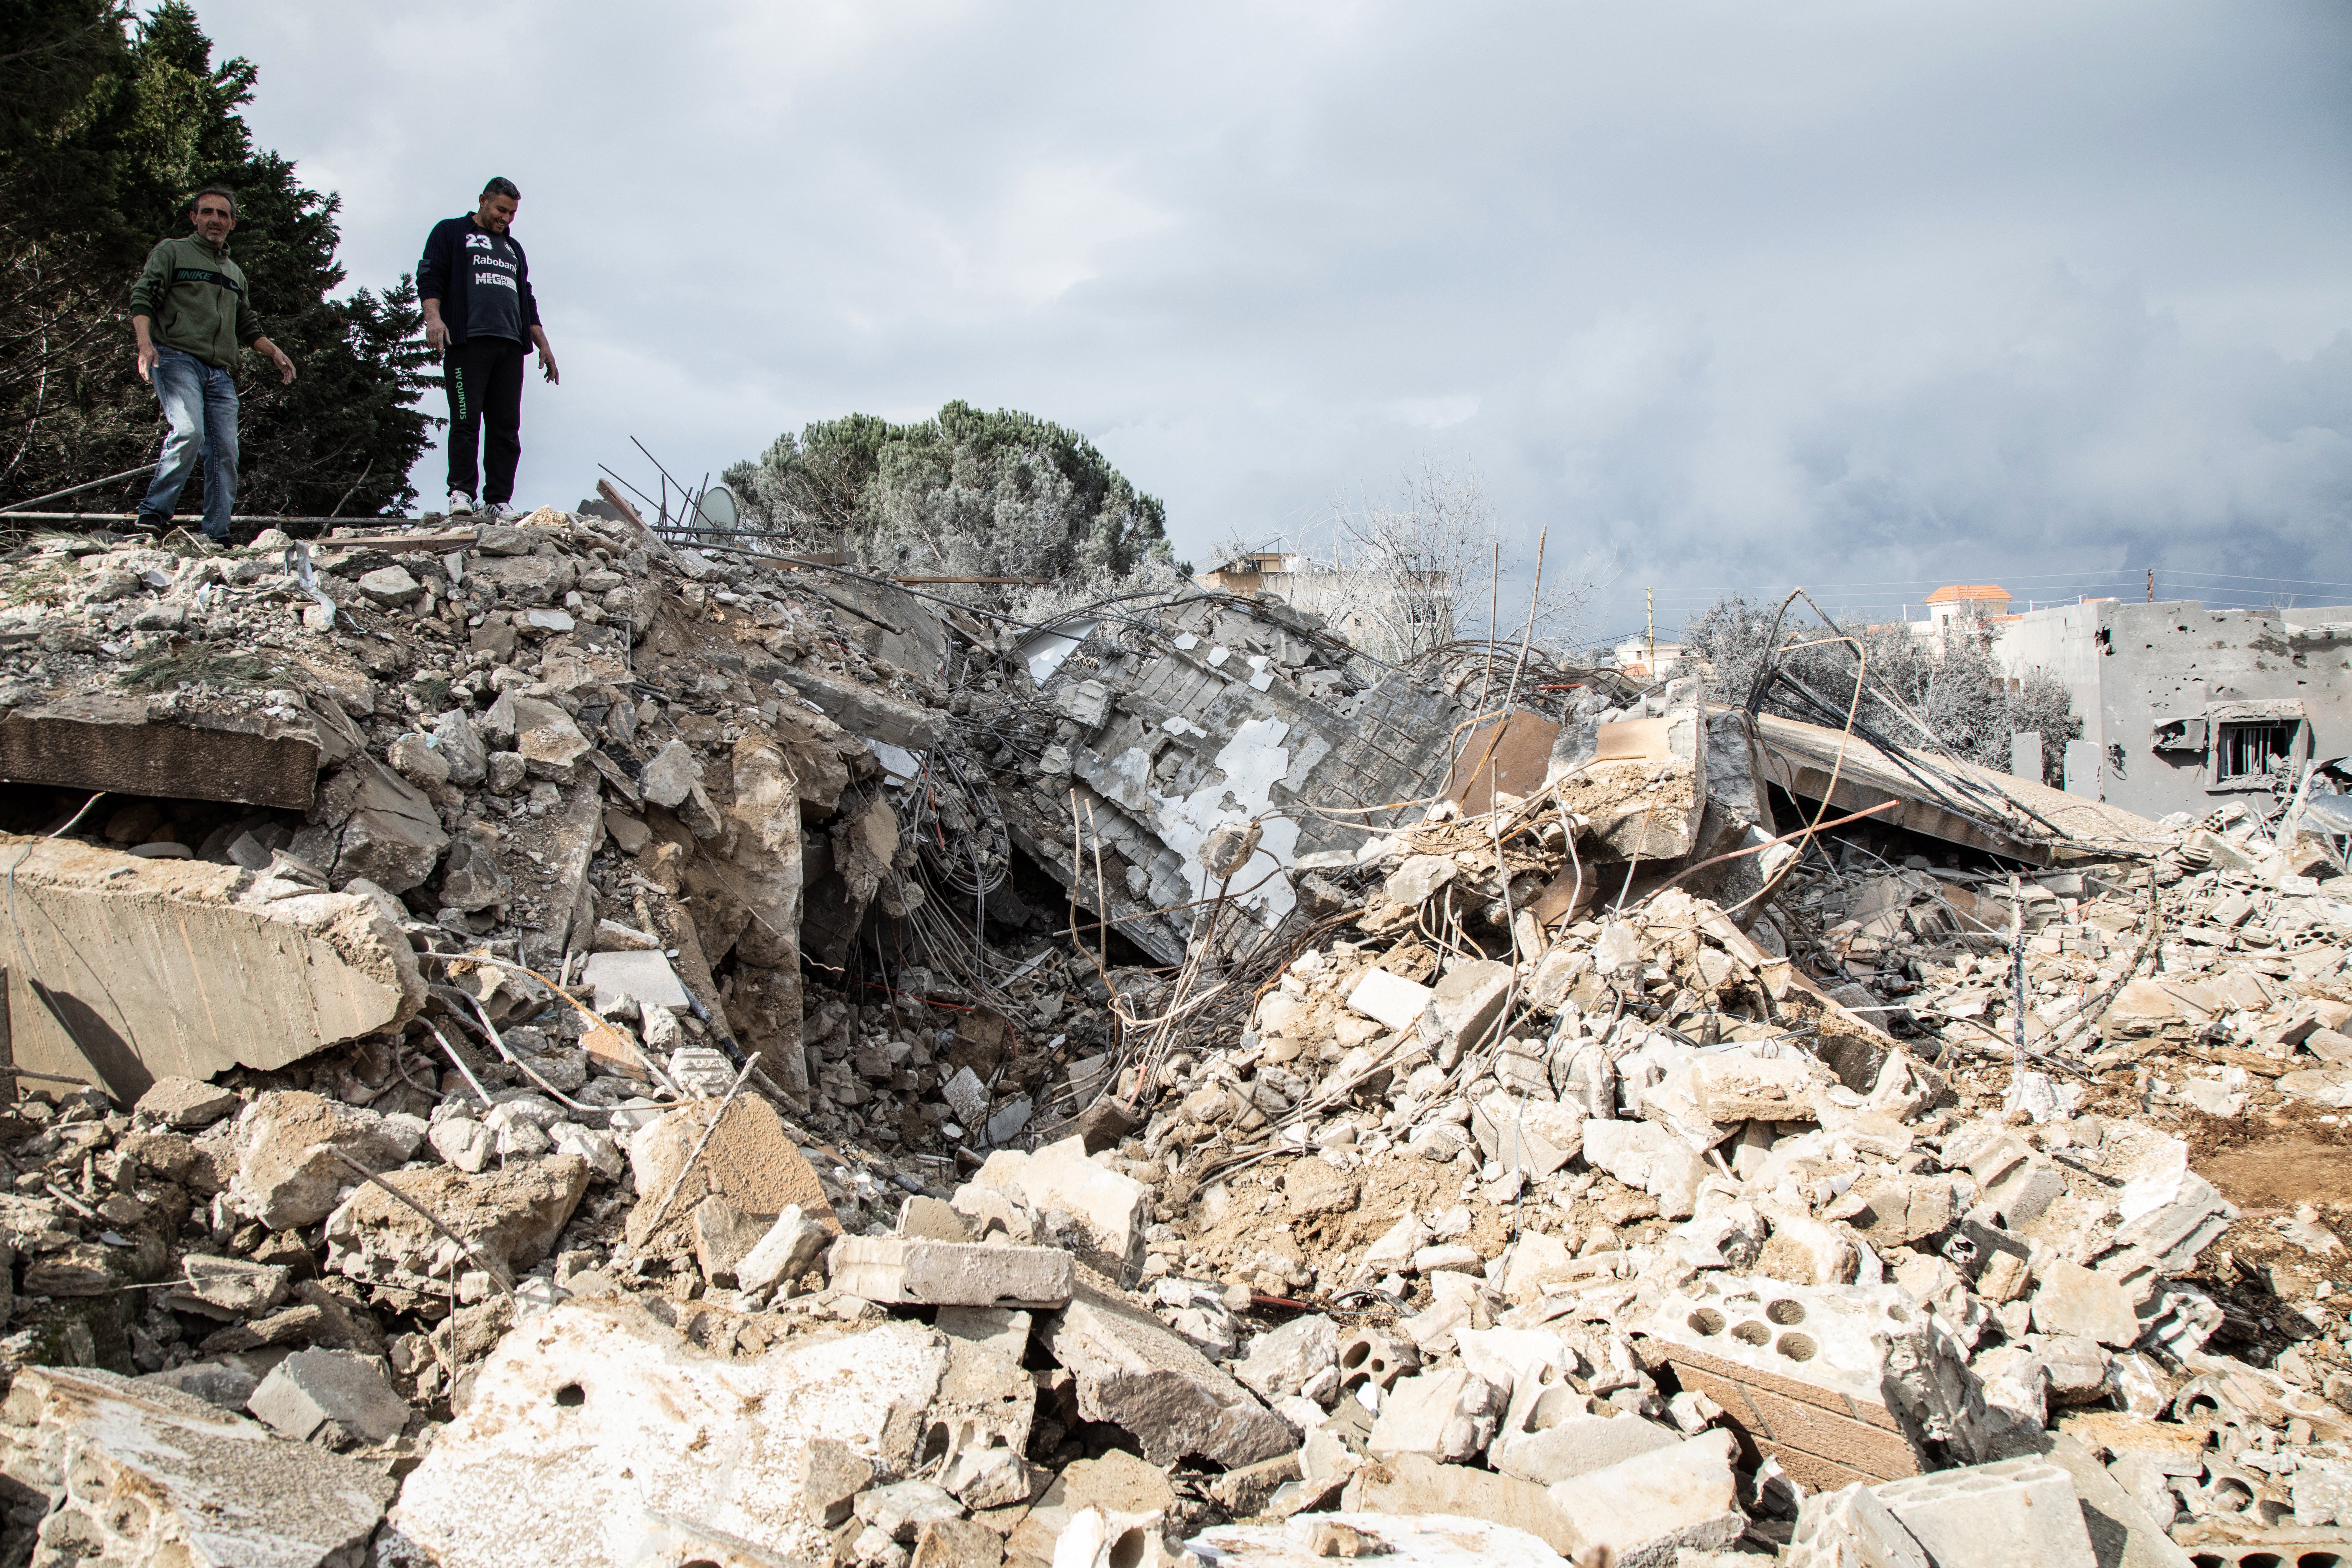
(191, 317)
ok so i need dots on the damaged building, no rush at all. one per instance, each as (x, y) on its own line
(545, 1043)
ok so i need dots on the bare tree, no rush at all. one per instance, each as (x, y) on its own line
(1429, 565)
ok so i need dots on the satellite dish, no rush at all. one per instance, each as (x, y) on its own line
(716, 510)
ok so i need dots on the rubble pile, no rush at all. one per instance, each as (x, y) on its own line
(542, 1043)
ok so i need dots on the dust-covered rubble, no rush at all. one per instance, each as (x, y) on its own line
(595, 1050)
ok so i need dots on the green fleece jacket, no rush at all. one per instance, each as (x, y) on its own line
(194, 296)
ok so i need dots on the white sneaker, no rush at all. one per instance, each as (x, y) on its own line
(460, 504)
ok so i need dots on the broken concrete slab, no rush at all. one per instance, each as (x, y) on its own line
(1132, 1371)
(1577, 1445)
(899, 1272)
(1283, 1361)
(262, 748)
(1990, 1516)
(644, 978)
(1117, 1483)
(597, 1399)
(1851, 1529)
(1415, 1484)
(788, 1249)
(372, 823)
(140, 1473)
(2069, 1298)
(1111, 1210)
(747, 1160)
(186, 1105)
(1646, 1156)
(1390, 1000)
(310, 1389)
(862, 710)
(125, 970)
(1447, 1415)
(1648, 1508)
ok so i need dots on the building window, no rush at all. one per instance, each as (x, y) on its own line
(2247, 753)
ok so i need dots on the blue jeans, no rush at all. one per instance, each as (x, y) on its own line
(200, 402)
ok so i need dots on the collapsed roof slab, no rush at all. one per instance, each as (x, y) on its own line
(260, 748)
(122, 970)
(1957, 802)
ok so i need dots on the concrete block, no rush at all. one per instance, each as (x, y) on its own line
(1243, 1492)
(310, 1388)
(190, 968)
(868, 713)
(723, 1235)
(511, 1217)
(2016, 1181)
(2069, 1298)
(230, 1287)
(1851, 1529)
(142, 1473)
(1840, 1383)
(894, 1271)
(180, 745)
(644, 978)
(1283, 1361)
(1994, 1516)
(1448, 1415)
(924, 1218)
(1117, 1483)
(1415, 1484)
(1130, 1370)
(1377, 1356)
(1112, 1211)
(788, 1249)
(1527, 1364)
(1648, 1508)
(2123, 1534)
(597, 1399)
(898, 1510)
(1390, 1000)
(1577, 1445)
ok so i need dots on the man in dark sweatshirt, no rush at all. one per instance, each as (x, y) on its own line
(478, 313)
(191, 317)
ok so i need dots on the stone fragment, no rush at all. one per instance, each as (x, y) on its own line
(1111, 1211)
(899, 1272)
(862, 710)
(1646, 1156)
(747, 1160)
(957, 1543)
(836, 1474)
(1448, 1415)
(372, 823)
(391, 586)
(508, 1219)
(1577, 1445)
(1851, 1529)
(184, 1104)
(1390, 1000)
(723, 1235)
(1468, 1003)
(788, 1249)
(415, 758)
(230, 1286)
(190, 968)
(1132, 1371)
(597, 1400)
(1648, 1508)
(462, 1141)
(309, 1389)
(290, 1148)
(1285, 1360)
(1534, 1136)
(899, 1510)
(145, 1474)
(1991, 1516)
(1117, 1483)
(644, 978)
(2069, 1298)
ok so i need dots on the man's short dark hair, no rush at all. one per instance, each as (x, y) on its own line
(500, 185)
(223, 192)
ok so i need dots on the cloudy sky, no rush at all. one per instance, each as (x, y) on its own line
(1862, 294)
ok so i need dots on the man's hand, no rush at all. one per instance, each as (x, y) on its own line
(146, 361)
(436, 336)
(285, 365)
(547, 363)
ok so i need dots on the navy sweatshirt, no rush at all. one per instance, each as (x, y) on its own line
(446, 271)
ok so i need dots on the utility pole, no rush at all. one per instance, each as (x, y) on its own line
(2152, 584)
(1650, 622)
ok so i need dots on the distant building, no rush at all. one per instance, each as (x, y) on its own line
(1967, 601)
(1267, 571)
(2183, 707)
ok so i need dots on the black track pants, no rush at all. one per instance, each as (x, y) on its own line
(484, 378)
